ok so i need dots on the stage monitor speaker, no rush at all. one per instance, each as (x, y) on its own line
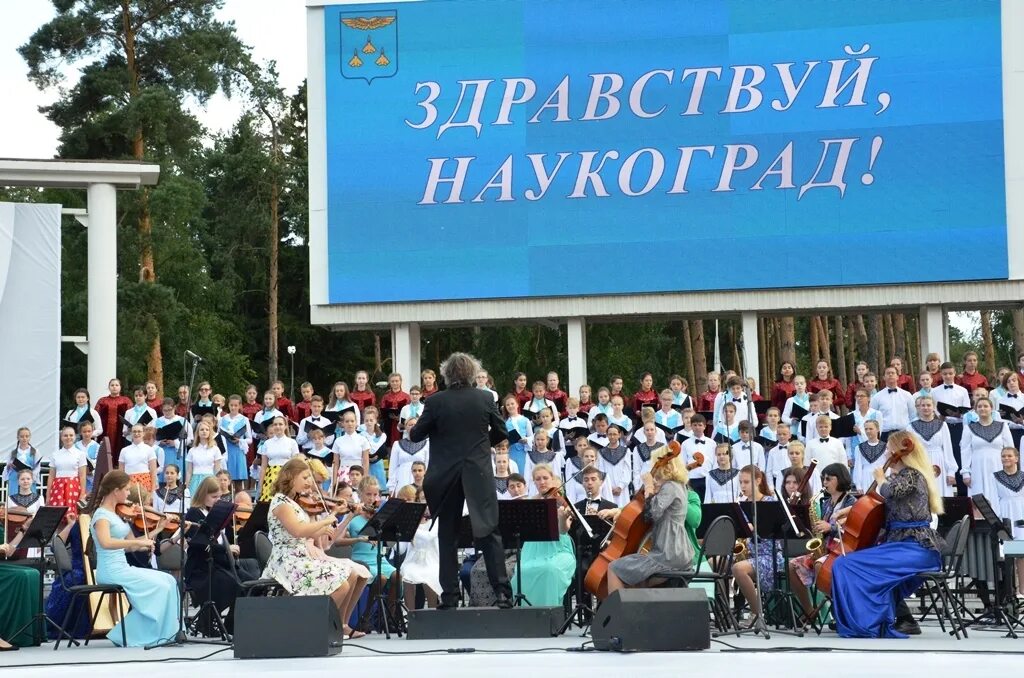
(653, 620)
(270, 627)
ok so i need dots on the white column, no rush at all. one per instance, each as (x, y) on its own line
(934, 326)
(405, 351)
(577, 338)
(102, 287)
(751, 363)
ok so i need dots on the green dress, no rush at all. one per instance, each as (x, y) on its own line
(548, 568)
(19, 601)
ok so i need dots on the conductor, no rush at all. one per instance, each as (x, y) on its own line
(462, 423)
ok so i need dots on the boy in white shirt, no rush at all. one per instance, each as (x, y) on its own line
(823, 447)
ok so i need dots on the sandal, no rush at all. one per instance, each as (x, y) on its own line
(351, 633)
(7, 647)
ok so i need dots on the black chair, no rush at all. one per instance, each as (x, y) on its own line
(936, 584)
(80, 596)
(719, 540)
(265, 586)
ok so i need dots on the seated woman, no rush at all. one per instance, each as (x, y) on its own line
(298, 571)
(666, 506)
(754, 487)
(153, 594)
(547, 567)
(868, 586)
(59, 599)
(420, 562)
(224, 579)
(19, 597)
(365, 551)
(837, 485)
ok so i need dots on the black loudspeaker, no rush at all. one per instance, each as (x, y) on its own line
(652, 620)
(292, 626)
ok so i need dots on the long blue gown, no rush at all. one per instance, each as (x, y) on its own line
(548, 568)
(153, 594)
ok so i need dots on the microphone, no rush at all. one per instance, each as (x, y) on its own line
(193, 356)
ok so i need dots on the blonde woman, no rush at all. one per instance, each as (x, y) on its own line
(868, 586)
(665, 507)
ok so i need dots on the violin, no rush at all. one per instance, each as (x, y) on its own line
(242, 515)
(14, 515)
(314, 505)
(556, 494)
(145, 518)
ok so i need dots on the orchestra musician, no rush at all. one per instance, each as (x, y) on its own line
(667, 502)
(754, 487)
(869, 585)
(548, 566)
(836, 501)
(292, 564)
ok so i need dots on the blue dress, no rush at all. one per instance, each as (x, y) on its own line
(153, 594)
(548, 568)
(59, 600)
(866, 584)
(363, 552)
(236, 462)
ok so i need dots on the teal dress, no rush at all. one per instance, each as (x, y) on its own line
(153, 594)
(548, 568)
(363, 552)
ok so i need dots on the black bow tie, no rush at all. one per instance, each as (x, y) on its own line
(747, 446)
(1011, 395)
(824, 440)
(737, 400)
(783, 447)
(892, 390)
(947, 386)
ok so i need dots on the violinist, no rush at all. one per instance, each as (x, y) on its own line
(25, 500)
(222, 581)
(300, 571)
(364, 551)
(152, 526)
(668, 502)
(548, 566)
(869, 585)
(153, 595)
(836, 486)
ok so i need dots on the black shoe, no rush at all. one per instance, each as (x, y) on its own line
(908, 626)
(504, 601)
(448, 603)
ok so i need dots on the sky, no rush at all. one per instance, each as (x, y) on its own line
(274, 29)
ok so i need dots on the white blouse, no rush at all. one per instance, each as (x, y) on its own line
(66, 462)
(203, 458)
(136, 458)
(349, 449)
(278, 450)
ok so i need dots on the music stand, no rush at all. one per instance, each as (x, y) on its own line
(998, 532)
(257, 522)
(205, 535)
(774, 523)
(44, 525)
(954, 509)
(711, 511)
(584, 528)
(396, 520)
(522, 521)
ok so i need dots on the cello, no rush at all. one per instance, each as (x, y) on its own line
(863, 524)
(627, 535)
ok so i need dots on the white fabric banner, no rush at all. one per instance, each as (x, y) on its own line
(29, 324)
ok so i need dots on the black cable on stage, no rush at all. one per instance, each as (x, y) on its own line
(162, 660)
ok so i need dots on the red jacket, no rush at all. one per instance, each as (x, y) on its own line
(643, 399)
(706, 401)
(781, 392)
(838, 396)
(110, 408)
(363, 399)
(972, 381)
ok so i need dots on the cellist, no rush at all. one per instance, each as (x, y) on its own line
(869, 585)
(668, 503)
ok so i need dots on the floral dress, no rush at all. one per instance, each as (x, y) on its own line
(290, 561)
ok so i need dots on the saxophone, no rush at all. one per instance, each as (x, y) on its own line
(816, 545)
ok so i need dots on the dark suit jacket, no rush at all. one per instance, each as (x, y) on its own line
(462, 424)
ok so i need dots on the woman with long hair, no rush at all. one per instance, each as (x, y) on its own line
(153, 594)
(868, 586)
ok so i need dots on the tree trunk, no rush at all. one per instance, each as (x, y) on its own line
(144, 225)
(890, 340)
(378, 357)
(272, 292)
(912, 359)
(738, 365)
(1018, 332)
(840, 351)
(787, 341)
(762, 353)
(899, 329)
(691, 376)
(700, 359)
(987, 343)
(812, 327)
(826, 341)
(851, 354)
(876, 345)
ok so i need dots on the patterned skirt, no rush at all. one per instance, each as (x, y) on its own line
(66, 492)
(144, 479)
(267, 486)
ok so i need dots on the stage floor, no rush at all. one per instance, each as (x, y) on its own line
(930, 654)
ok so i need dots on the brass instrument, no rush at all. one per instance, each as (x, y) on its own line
(816, 545)
(740, 550)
